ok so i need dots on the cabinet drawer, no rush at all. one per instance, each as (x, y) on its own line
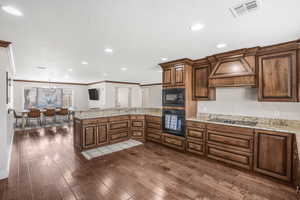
(195, 124)
(230, 129)
(233, 140)
(142, 117)
(195, 147)
(153, 119)
(137, 123)
(137, 133)
(89, 121)
(156, 137)
(153, 125)
(240, 159)
(102, 120)
(118, 125)
(119, 118)
(174, 141)
(118, 135)
(195, 133)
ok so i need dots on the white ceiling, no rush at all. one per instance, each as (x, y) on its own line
(59, 34)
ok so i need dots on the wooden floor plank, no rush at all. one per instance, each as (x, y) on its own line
(44, 165)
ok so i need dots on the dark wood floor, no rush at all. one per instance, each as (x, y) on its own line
(44, 166)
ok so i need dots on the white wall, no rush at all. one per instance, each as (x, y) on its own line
(152, 96)
(6, 121)
(108, 98)
(243, 101)
(80, 94)
(101, 102)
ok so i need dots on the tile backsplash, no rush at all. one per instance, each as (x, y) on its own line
(243, 101)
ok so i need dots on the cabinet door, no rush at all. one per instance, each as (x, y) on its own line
(167, 76)
(201, 91)
(273, 154)
(277, 77)
(179, 75)
(89, 136)
(102, 137)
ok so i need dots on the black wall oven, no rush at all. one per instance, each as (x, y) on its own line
(174, 122)
(173, 97)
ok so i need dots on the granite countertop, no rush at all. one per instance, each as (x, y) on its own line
(110, 112)
(281, 125)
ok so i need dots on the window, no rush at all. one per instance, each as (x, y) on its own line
(47, 97)
(123, 97)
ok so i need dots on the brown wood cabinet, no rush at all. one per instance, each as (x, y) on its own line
(153, 129)
(273, 154)
(168, 76)
(174, 76)
(201, 89)
(232, 145)
(102, 134)
(278, 76)
(174, 141)
(90, 136)
(195, 137)
(179, 76)
(174, 73)
(138, 127)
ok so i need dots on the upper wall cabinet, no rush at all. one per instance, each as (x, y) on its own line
(201, 71)
(232, 69)
(277, 72)
(174, 73)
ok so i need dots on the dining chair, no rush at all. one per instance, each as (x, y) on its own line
(17, 117)
(64, 114)
(49, 114)
(34, 114)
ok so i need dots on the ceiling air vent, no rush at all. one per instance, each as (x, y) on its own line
(245, 7)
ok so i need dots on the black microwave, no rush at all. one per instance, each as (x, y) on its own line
(173, 97)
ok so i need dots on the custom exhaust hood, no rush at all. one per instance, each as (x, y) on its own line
(234, 68)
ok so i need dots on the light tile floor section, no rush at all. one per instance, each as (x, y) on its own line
(100, 151)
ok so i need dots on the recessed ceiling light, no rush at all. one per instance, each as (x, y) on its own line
(84, 63)
(221, 45)
(70, 70)
(123, 68)
(108, 50)
(197, 27)
(12, 10)
(105, 74)
(164, 59)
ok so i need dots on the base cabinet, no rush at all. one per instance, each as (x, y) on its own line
(90, 136)
(138, 127)
(196, 147)
(174, 141)
(102, 134)
(229, 156)
(273, 154)
(153, 129)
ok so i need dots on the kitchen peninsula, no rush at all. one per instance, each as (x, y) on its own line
(95, 128)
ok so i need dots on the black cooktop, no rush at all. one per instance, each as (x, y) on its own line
(237, 122)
